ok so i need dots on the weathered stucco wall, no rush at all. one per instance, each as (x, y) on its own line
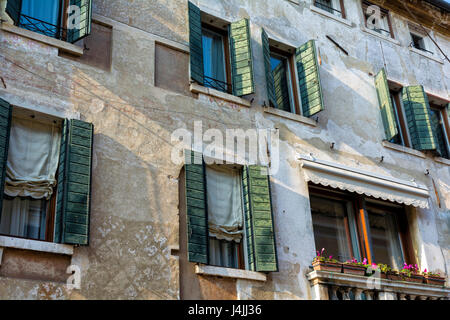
(134, 216)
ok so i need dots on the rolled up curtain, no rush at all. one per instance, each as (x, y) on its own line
(32, 159)
(225, 218)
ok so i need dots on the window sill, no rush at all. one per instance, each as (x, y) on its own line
(229, 273)
(330, 15)
(196, 88)
(376, 34)
(403, 149)
(62, 45)
(35, 245)
(442, 160)
(290, 116)
(426, 55)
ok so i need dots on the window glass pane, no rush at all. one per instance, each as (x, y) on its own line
(436, 120)
(280, 71)
(330, 227)
(385, 237)
(326, 5)
(213, 60)
(397, 139)
(23, 217)
(223, 253)
(41, 16)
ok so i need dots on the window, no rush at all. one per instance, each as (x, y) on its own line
(220, 53)
(335, 7)
(52, 19)
(419, 38)
(228, 215)
(413, 118)
(351, 226)
(292, 77)
(45, 170)
(383, 26)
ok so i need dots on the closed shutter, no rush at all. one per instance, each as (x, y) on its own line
(195, 43)
(386, 107)
(13, 8)
(418, 117)
(281, 88)
(196, 210)
(241, 58)
(84, 28)
(261, 247)
(309, 79)
(5, 126)
(268, 69)
(74, 183)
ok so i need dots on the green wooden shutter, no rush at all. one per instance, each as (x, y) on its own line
(74, 183)
(5, 126)
(309, 79)
(281, 87)
(195, 43)
(418, 117)
(84, 29)
(268, 69)
(196, 208)
(261, 247)
(386, 107)
(13, 8)
(241, 58)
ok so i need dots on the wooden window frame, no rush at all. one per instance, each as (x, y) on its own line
(398, 105)
(290, 58)
(363, 225)
(226, 49)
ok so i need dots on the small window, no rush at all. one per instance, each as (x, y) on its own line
(396, 97)
(440, 129)
(215, 58)
(51, 19)
(335, 7)
(418, 42)
(30, 184)
(419, 38)
(350, 226)
(383, 26)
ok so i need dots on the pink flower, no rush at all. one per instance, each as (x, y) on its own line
(425, 271)
(365, 261)
(331, 257)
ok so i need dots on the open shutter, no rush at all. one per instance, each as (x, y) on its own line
(281, 89)
(418, 117)
(386, 107)
(309, 79)
(268, 69)
(261, 248)
(5, 126)
(196, 209)
(74, 183)
(13, 8)
(195, 43)
(84, 28)
(241, 58)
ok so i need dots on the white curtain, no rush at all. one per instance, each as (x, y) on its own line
(21, 217)
(32, 158)
(225, 218)
(394, 248)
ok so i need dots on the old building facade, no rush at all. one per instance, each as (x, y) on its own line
(357, 97)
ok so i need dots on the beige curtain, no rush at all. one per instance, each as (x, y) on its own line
(225, 216)
(21, 217)
(32, 158)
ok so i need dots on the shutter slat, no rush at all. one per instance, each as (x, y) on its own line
(309, 78)
(240, 47)
(417, 108)
(195, 43)
(196, 212)
(259, 226)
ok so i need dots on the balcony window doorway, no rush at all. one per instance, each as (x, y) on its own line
(214, 65)
(44, 19)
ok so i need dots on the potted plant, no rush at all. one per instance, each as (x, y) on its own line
(322, 263)
(384, 270)
(355, 267)
(433, 278)
(411, 273)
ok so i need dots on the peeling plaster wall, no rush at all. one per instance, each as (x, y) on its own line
(134, 215)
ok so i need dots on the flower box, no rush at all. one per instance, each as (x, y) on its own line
(327, 266)
(395, 276)
(435, 280)
(354, 269)
(414, 277)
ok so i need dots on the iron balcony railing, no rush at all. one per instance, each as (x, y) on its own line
(216, 84)
(42, 27)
